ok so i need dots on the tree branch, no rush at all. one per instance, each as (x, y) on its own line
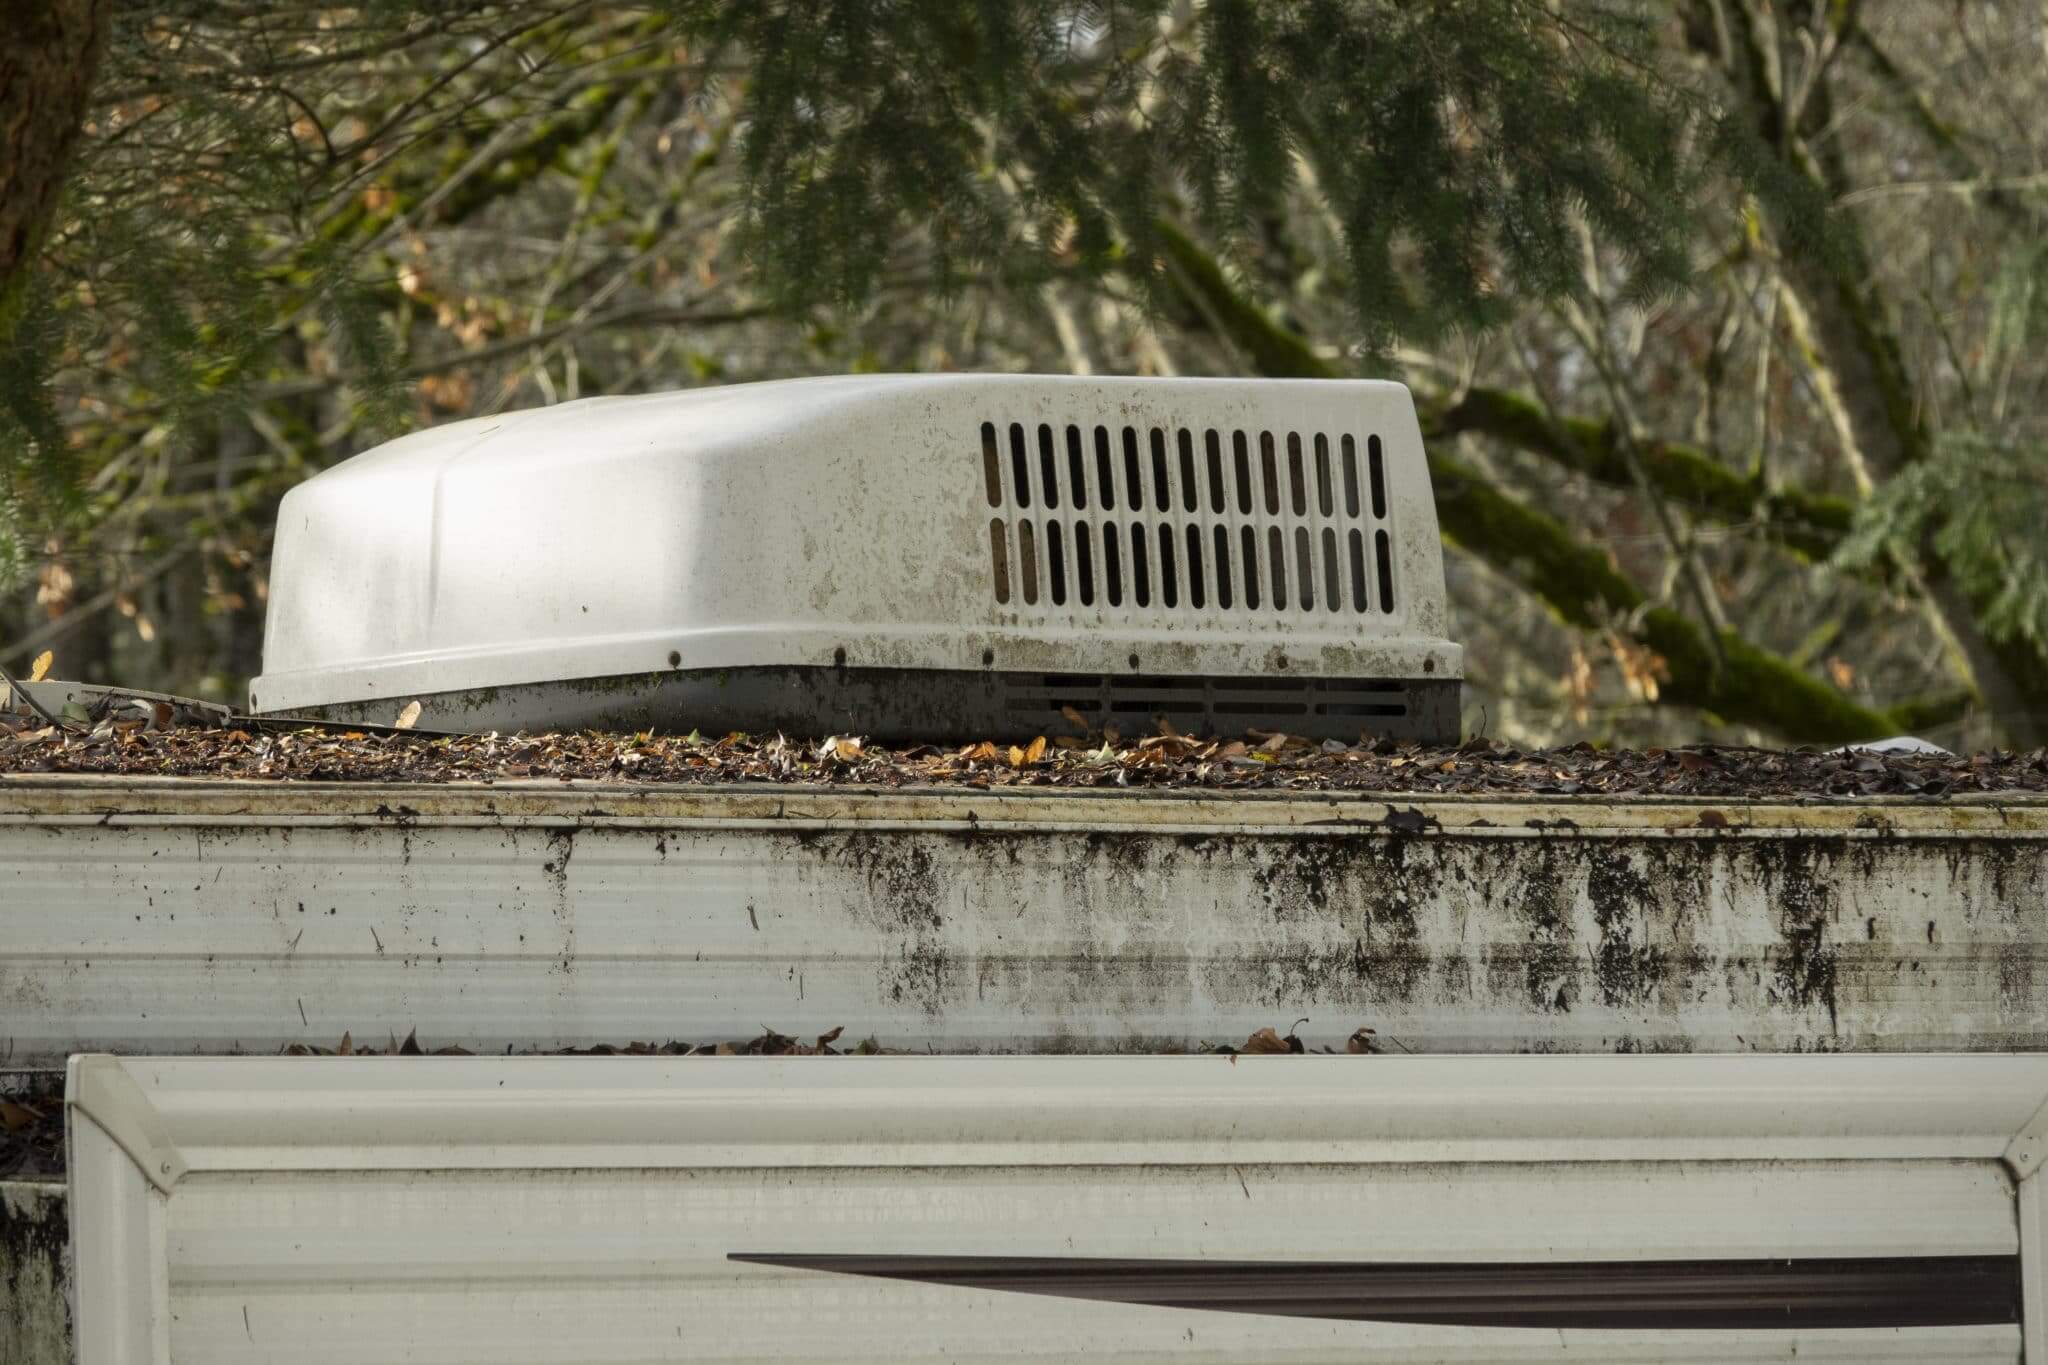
(1578, 582)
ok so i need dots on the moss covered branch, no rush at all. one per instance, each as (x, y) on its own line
(1809, 524)
(1579, 583)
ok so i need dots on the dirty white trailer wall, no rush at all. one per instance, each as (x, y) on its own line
(181, 916)
(891, 1209)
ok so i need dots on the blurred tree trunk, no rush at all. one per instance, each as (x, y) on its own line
(48, 58)
(1860, 359)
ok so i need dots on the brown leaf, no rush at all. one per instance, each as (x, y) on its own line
(408, 717)
(1035, 752)
(15, 1117)
(347, 1048)
(830, 1037)
(1265, 1041)
(1074, 718)
(1016, 757)
(40, 669)
(1361, 1043)
(411, 1046)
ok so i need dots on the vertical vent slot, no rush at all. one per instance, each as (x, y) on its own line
(1360, 600)
(1188, 482)
(1250, 561)
(1112, 565)
(1160, 500)
(1379, 478)
(1304, 569)
(1027, 555)
(1084, 564)
(1169, 578)
(1020, 467)
(1141, 571)
(1350, 449)
(1269, 470)
(1325, 490)
(1197, 589)
(1213, 447)
(1077, 471)
(991, 464)
(1048, 468)
(1241, 457)
(1384, 549)
(1333, 574)
(1277, 553)
(1297, 479)
(1223, 570)
(1134, 488)
(999, 558)
(1105, 477)
(1056, 563)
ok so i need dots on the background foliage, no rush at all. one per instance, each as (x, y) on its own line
(1724, 316)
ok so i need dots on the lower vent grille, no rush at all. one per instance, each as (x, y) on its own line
(1323, 708)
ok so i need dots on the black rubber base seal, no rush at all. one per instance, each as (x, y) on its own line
(936, 705)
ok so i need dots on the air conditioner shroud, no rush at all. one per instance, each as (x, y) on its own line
(889, 555)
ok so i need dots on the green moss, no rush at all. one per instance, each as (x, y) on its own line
(1810, 524)
(1536, 550)
(1273, 350)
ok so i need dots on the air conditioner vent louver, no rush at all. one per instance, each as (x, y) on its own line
(905, 557)
(1152, 519)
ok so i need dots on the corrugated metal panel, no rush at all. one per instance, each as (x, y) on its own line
(530, 1209)
(171, 917)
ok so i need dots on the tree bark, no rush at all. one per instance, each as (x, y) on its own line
(1860, 349)
(48, 59)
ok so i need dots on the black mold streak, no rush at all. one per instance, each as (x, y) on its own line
(1628, 969)
(1801, 875)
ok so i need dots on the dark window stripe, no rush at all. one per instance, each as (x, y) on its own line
(1694, 1295)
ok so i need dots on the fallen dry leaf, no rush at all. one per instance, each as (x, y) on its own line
(408, 717)
(1265, 1041)
(839, 749)
(40, 669)
(1035, 751)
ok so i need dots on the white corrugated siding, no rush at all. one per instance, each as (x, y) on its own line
(474, 1210)
(155, 917)
(622, 1267)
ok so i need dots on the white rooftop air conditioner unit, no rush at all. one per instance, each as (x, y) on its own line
(916, 557)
